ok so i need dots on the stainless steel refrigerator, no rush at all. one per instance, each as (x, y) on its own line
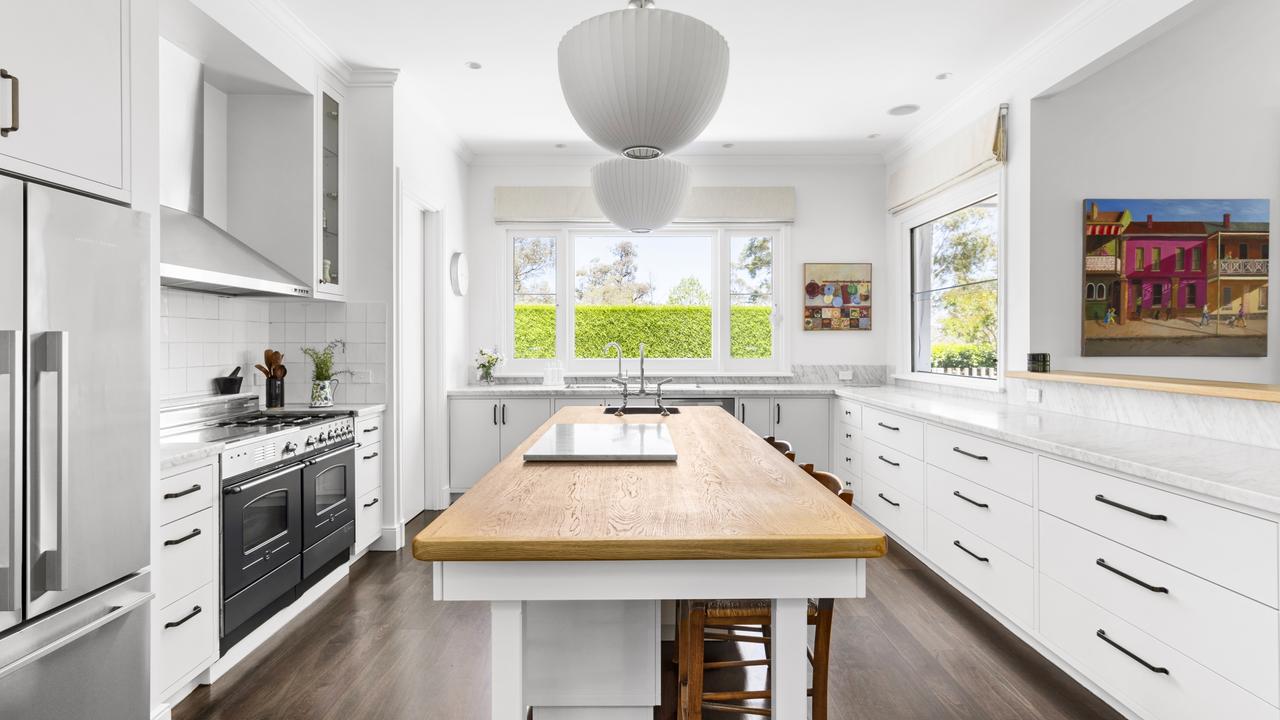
(74, 456)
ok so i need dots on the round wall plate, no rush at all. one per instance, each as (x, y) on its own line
(458, 273)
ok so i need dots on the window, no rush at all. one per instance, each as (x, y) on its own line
(1155, 259)
(1088, 292)
(1195, 258)
(1102, 291)
(1226, 295)
(1266, 251)
(1157, 294)
(1262, 298)
(954, 292)
(699, 299)
(1179, 260)
(1191, 296)
(1244, 251)
(1137, 259)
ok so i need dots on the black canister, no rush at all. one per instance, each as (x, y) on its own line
(275, 392)
(1038, 362)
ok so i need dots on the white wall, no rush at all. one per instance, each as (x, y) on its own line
(839, 217)
(1193, 114)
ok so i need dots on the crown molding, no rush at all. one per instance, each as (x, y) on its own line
(577, 160)
(373, 77)
(292, 25)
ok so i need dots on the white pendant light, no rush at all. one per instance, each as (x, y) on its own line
(643, 82)
(640, 195)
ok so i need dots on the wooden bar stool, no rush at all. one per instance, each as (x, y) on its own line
(781, 446)
(702, 621)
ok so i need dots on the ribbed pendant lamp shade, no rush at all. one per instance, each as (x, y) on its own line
(643, 82)
(640, 195)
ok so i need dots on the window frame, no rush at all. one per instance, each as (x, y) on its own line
(719, 234)
(992, 183)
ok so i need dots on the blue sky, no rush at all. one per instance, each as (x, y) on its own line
(1204, 210)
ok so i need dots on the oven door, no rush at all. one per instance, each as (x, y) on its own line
(261, 527)
(328, 494)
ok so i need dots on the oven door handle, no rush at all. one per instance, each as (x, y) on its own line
(237, 489)
(326, 456)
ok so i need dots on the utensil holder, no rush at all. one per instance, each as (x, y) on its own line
(275, 392)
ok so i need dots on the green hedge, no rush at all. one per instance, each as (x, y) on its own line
(962, 355)
(668, 331)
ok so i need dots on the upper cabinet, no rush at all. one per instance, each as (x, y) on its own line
(329, 240)
(64, 93)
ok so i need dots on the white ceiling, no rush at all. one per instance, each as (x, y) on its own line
(805, 77)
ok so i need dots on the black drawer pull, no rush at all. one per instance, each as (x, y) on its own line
(888, 427)
(1102, 634)
(1153, 588)
(969, 500)
(194, 612)
(371, 429)
(1102, 499)
(970, 553)
(969, 454)
(882, 497)
(371, 503)
(178, 541)
(848, 436)
(886, 460)
(371, 456)
(13, 103)
(182, 493)
(848, 459)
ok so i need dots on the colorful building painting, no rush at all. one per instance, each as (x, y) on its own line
(1175, 277)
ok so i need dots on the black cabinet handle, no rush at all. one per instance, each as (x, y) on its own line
(178, 541)
(182, 493)
(779, 407)
(1153, 588)
(13, 103)
(375, 428)
(888, 427)
(1102, 499)
(504, 413)
(969, 454)
(970, 553)
(848, 436)
(194, 612)
(887, 460)
(969, 500)
(847, 413)
(371, 503)
(848, 459)
(371, 456)
(882, 497)
(495, 414)
(1102, 635)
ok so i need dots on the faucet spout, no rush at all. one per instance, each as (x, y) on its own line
(617, 348)
(642, 390)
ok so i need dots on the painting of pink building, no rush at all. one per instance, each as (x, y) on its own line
(1164, 268)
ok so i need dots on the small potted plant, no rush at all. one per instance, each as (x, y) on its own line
(486, 361)
(323, 381)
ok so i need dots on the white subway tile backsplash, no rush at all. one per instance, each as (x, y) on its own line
(375, 353)
(335, 312)
(355, 331)
(315, 312)
(377, 332)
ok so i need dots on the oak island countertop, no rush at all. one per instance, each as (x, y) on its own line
(729, 495)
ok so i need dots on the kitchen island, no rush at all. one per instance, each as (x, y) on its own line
(576, 557)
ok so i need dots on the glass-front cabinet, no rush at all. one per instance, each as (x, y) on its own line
(329, 244)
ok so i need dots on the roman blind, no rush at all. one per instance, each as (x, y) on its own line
(980, 146)
(704, 205)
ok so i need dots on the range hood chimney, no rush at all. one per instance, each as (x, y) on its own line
(195, 253)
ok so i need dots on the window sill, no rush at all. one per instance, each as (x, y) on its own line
(995, 385)
(656, 372)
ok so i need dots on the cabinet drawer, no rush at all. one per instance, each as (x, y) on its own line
(1228, 633)
(848, 436)
(999, 467)
(1187, 691)
(187, 492)
(1230, 548)
(368, 468)
(1002, 521)
(849, 413)
(899, 471)
(368, 519)
(186, 556)
(369, 429)
(898, 513)
(989, 572)
(847, 463)
(187, 637)
(895, 431)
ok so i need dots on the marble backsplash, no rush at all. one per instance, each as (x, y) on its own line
(800, 375)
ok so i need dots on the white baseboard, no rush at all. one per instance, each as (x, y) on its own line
(264, 632)
(163, 711)
(391, 539)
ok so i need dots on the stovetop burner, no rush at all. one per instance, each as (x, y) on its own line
(271, 420)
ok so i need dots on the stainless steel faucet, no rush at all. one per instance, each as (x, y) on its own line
(642, 389)
(618, 348)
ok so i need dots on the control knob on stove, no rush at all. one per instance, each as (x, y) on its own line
(310, 441)
(290, 447)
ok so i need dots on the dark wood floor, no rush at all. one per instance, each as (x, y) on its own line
(377, 647)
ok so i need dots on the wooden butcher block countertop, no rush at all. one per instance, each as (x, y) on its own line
(730, 495)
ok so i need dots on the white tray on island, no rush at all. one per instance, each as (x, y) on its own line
(596, 442)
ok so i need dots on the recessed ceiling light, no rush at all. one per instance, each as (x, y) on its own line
(472, 65)
(873, 136)
(903, 109)
(727, 146)
(561, 146)
(942, 76)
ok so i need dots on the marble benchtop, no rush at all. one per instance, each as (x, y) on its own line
(1235, 472)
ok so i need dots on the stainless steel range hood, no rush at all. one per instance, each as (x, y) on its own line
(195, 253)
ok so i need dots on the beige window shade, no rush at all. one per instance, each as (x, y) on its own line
(705, 204)
(972, 151)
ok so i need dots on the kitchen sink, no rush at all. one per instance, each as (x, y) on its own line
(642, 410)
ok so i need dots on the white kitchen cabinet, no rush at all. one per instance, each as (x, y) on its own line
(69, 64)
(805, 423)
(757, 414)
(482, 431)
(368, 491)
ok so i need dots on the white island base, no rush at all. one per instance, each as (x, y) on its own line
(579, 640)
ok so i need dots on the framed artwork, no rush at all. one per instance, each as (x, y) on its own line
(1175, 277)
(837, 296)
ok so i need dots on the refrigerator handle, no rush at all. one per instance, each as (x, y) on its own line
(10, 576)
(57, 356)
(113, 613)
